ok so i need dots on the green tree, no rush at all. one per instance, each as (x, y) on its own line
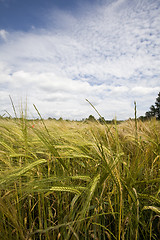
(148, 114)
(157, 104)
(102, 120)
(91, 118)
(154, 110)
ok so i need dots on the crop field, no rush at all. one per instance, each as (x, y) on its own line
(64, 180)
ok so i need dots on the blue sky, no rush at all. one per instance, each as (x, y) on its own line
(59, 53)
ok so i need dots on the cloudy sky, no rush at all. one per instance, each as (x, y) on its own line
(57, 53)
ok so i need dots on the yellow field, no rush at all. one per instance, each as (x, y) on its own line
(78, 180)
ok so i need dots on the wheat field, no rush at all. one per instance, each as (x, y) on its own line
(79, 180)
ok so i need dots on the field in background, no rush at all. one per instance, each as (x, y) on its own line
(74, 180)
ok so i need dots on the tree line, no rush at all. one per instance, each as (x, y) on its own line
(154, 111)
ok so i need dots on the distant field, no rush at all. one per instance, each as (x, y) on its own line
(76, 180)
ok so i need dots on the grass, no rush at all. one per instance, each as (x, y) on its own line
(76, 180)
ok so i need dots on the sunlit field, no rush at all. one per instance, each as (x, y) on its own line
(79, 180)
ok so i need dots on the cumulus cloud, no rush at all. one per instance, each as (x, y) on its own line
(108, 53)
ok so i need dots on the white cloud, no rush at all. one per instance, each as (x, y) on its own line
(108, 54)
(140, 91)
(3, 34)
